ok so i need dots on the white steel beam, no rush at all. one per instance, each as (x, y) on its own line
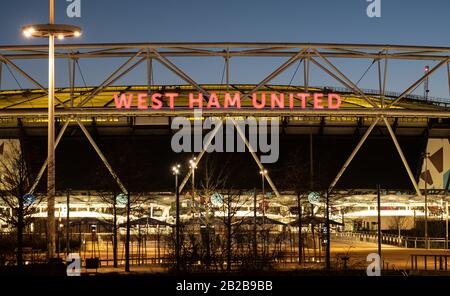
(275, 73)
(415, 84)
(255, 157)
(44, 166)
(349, 82)
(102, 157)
(352, 155)
(402, 156)
(112, 78)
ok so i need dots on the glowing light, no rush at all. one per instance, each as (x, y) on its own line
(192, 163)
(176, 169)
(77, 34)
(29, 32)
(60, 36)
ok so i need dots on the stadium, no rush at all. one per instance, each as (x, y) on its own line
(331, 159)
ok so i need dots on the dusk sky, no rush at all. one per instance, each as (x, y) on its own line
(413, 22)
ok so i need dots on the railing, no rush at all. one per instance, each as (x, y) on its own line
(428, 262)
(395, 240)
(391, 94)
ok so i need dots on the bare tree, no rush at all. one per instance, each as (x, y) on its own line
(295, 177)
(398, 222)
(109, 194)
(216, 184)
(15, 181)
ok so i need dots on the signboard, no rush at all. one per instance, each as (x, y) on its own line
(28, 199)
(217, 199)
(314, 197)
(143, 101)
(122, 199)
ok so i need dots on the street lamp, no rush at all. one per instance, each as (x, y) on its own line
(193, 166)
(61, 31)
(176, 172)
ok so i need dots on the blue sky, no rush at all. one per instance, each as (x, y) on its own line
(413, 22)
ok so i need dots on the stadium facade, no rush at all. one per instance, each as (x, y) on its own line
(398, 140)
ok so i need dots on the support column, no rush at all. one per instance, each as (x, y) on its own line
(149, 74)
(227, 70)
(384, 80)
(72, 72)
(306, 74)
(446, 225)
(1, 72)
(51, 239)
(448, 73)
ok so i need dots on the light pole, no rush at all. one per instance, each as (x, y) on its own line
(328, 250)
(193, 166)
(446, 225)
(68, 223)
(176, 172)
(426, 155)
(263, 174)
(379, 221)
(51, 30)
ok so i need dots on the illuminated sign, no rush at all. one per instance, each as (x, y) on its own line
(122, 199)
(156, 101)
(28, 199)
(217, 199)
(314, 197)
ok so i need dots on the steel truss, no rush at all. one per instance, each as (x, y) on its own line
(319, 55)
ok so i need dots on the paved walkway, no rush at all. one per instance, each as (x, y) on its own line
(358, 251)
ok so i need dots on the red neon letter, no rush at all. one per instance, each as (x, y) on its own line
(236, 100)
(142, 101)
(171, 97)
(303, 97)
(275, 100)
(198, 100)
(255, 102)
(213, 101)
(156, 102)
(332, 105)
(318, 101)
(123, 101)
(291, 101)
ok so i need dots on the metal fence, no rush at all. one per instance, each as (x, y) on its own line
(394, 240)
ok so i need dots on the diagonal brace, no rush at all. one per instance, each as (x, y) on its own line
(111, 78)
(352, 155)
(102, 157)
(25, 74)
(275, 73)
(349, 82)
(171, 66)
(402, 156)
(44, 166)
(255, 157)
